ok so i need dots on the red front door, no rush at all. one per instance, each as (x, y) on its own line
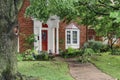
(44, 40)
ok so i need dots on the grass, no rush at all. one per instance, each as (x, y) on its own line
(109, 64)
(46, 70)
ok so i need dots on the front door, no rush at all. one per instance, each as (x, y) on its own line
(44, 40)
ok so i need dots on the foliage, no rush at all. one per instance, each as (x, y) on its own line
(43, 55)
(87, 53)
(47, 70)
(116, 16)
(116, 52)
(70, 52)
(31, 54)
(95, 45)
(19, 57)
(104, 48)
(43, 9)
(28, 55)
(29, 40)
(108, 64)
(98, 15)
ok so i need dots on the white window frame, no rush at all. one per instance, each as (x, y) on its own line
(73, 45)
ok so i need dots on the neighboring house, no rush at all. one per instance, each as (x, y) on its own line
(52, 36)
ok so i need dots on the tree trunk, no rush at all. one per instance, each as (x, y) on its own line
(110, 41)
(8, 38)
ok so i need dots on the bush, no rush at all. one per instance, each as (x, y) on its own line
(29, 54)
(19, 57)
(89, 52)
(44, 56)
(95, 45)
(105, 48)
(115, 52)
(70, 52)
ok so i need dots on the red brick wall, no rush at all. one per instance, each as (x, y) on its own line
(62, 35)
(92, 35)
(26, 26)
(83, 33)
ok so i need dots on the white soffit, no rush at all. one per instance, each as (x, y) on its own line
(71, 26)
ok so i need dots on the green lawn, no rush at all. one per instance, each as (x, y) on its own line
(109, 64)
(46, 70)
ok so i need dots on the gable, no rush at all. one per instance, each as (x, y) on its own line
(71, 26)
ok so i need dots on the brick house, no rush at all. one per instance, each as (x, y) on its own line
(52, 36)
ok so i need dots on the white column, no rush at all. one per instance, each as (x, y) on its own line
(57, 40)
(53, 33)
(18, 44)
(37, 32)
(40, 37)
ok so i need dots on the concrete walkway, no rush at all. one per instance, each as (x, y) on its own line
(86, 71)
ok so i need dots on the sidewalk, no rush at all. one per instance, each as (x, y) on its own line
(86, 71)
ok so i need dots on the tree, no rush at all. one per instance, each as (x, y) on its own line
(103, 18)
(43, 9)
(8, 38)
(98, 14)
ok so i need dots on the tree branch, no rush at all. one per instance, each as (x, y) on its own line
(95, 11)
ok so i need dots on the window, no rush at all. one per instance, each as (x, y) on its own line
(72, 38)
(74, 33)
(68, 37)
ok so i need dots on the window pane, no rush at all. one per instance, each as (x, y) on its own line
(74, 37)
(68, 37)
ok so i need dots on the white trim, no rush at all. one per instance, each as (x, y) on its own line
(45, 29)
(53, 30)
(40, 35)
(57, 40)
(76, 46)
(71, 26)
(18, 48)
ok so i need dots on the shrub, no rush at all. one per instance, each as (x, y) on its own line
(105, 48)
(116, 52)
(19, 57)
(70, 52)
(95, 45)
(89, 52)
(44, 56)
(30, 39)
(28, 55)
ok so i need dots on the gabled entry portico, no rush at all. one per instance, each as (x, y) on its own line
(47, 37)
